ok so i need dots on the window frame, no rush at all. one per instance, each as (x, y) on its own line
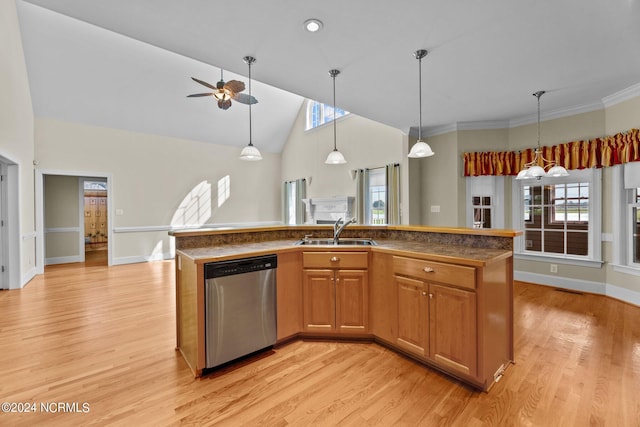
(486, 186)
(594, 258)
(325, 118)
(622, 238)
(369, 202)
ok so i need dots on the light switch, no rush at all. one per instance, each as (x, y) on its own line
(435, 208)
(119, 212)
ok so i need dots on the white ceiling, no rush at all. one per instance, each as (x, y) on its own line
(127, 64)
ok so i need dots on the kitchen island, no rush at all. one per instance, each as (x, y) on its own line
(442, 296)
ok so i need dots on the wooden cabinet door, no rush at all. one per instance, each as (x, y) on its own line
(319, 300)
(453, 339)
(413, 310)
(382, 298)
(352, 301)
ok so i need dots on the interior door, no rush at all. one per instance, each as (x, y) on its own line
(3, 241)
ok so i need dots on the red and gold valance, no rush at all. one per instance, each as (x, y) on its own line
(596, 153)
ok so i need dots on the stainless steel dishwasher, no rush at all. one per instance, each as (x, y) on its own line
(240, 307)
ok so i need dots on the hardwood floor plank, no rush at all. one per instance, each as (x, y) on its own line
(106, 336)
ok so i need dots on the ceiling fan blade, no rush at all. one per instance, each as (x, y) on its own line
(234, 86)
(199, 94)
(224, 105)
(204, 83)
(243, 98)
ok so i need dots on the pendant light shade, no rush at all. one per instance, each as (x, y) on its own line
(250, 152)
(335, 157)
(533, 169)
(420, 148)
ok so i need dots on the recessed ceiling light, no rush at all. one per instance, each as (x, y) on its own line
(313, 25)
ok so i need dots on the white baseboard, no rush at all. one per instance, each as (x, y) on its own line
(624, 294)
(613, 291)
(137, 259)
(561, 282)
(27, 276)
(63, 260)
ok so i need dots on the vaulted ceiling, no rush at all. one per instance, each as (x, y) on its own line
(127, 64)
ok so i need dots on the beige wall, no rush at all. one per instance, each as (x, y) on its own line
(17, 142)
(62, 219)
(364, 143)
(439, 181)
(153, 175)
(617, 118)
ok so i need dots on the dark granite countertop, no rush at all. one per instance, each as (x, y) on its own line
(463, 255)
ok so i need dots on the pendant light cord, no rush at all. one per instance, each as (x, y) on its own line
(419, 54)
(335, 148)
(419, 96)
(538, 94)
(250, 101)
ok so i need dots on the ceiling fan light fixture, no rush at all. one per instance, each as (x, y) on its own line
(313, 25)
(420, 149)
(222, 95)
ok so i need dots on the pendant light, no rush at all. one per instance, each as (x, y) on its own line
(420, 148)
(250, 152)
(335, 157)
(549, 168)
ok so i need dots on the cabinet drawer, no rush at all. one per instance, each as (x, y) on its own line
(334, 259)
(457, 275)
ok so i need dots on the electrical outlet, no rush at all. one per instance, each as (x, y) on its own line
(435, 208)
(554, 268)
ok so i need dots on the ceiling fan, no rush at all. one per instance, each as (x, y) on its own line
(224, 92)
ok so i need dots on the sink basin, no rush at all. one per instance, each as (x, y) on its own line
(341, 242)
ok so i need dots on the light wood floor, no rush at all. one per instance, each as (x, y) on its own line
(106, 336)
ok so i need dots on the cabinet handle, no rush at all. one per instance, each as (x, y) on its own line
(334, 259)
(424, 293)
(430, 295)
(429, 270)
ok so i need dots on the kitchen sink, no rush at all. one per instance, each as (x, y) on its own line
(341, 242)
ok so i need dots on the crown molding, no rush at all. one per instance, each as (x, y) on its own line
(606, 102)
(556, 114)
(621, 96)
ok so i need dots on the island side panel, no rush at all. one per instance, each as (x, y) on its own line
(188, 321)
(495, 346)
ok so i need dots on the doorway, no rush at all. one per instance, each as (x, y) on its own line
(65, 239)
(10, 274)
(95, 218)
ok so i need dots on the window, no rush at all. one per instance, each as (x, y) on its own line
(626, 207)
(378, 195)
(294, 206)
(557, 218)
(376, 208)
(319, 114)
(482, 211)
(485, 195)
(560, 216)
(634, 222)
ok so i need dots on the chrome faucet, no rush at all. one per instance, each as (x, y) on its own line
(337, 228)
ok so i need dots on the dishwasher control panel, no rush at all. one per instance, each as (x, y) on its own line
(240, 266)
